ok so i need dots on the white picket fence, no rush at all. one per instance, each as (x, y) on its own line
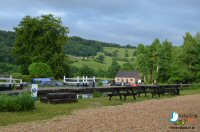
(84, 81)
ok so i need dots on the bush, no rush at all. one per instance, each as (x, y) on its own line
(22, 102)
(26, 78)
(17, 75)
(40, 69)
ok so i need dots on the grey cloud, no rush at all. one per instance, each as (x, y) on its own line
(118, 21)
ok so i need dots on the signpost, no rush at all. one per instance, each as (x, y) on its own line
(34, 90)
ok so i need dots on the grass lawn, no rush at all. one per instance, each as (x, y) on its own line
(47, 111)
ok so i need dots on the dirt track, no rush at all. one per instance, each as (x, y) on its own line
(152, 115)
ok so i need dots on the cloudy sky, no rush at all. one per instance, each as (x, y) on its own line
(119, 21)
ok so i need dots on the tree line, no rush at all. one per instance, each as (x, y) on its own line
(43, 42)
(164, 63)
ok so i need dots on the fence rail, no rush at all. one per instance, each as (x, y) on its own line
(84, 81)
(10, 80)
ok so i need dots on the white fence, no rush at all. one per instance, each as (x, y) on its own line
(84, 81)
(9, 80)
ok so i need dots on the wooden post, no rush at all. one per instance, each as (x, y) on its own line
(64, 79)
(78, 79)
(10, 79)
(83, 79)
(20, 81)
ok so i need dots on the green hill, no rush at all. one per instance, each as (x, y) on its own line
(90, 61)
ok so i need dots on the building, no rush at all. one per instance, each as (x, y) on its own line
(128, 77)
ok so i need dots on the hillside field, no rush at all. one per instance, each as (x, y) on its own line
(90, 61)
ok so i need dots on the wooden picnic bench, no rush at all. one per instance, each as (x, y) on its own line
(171, 89)
(153, 89)
(122, 91)
(159, 89)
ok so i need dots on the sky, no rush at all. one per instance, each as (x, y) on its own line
(116, 21)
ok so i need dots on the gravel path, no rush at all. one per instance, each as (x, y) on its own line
(151, 115)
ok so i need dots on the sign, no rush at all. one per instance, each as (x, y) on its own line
(139, 81)
(34, 90)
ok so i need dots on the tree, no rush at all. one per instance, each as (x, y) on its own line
(143, 62)
(126, 54)
(100, 58)
(155, 59)
(197, 65)
(127, 66)
(113, 69)
(115, 53)
(189, 56)
(41, 39)
(40, 69)
(101, 73)
(165, 61)
(86, 71)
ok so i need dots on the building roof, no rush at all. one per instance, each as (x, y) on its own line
(128, 74)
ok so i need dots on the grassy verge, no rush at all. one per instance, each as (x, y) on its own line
(47, 111)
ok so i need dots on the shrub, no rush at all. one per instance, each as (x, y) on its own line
(22, 102)
(26, 78)
(40, 69)
(17, 75)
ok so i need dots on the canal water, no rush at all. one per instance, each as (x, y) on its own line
(84, 96)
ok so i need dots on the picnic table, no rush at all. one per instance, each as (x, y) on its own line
(159, 89)
(123, 91)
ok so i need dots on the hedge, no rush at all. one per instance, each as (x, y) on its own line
(21, 102)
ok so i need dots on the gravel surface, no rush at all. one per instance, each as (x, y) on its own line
(151, 115)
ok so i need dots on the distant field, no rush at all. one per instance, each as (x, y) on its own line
(121, 51)
(79, 61)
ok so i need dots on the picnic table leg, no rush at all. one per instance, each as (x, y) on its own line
(178, 92)
(124, 97)
(158, 93)
(138, 94)
(120, 96)
(134, 97)
(171, 90)
(110, 98)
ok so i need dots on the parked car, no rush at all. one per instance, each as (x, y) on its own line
(106, 82)
(134, 84)
(116, 84)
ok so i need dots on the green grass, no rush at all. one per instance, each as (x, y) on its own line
(121, 51)
(48, 111)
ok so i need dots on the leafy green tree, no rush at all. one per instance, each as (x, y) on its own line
(113, 69)
(165, 61)
(126, 54)
(82, 47)
(155, 59)
(101, 73)
(197, 65)
(100, 58)
(86, 71)
(127, 66)
(189, 56)
(7, 63)
(143, 62)
(40, 69)
(115, 53)
(41, 39)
